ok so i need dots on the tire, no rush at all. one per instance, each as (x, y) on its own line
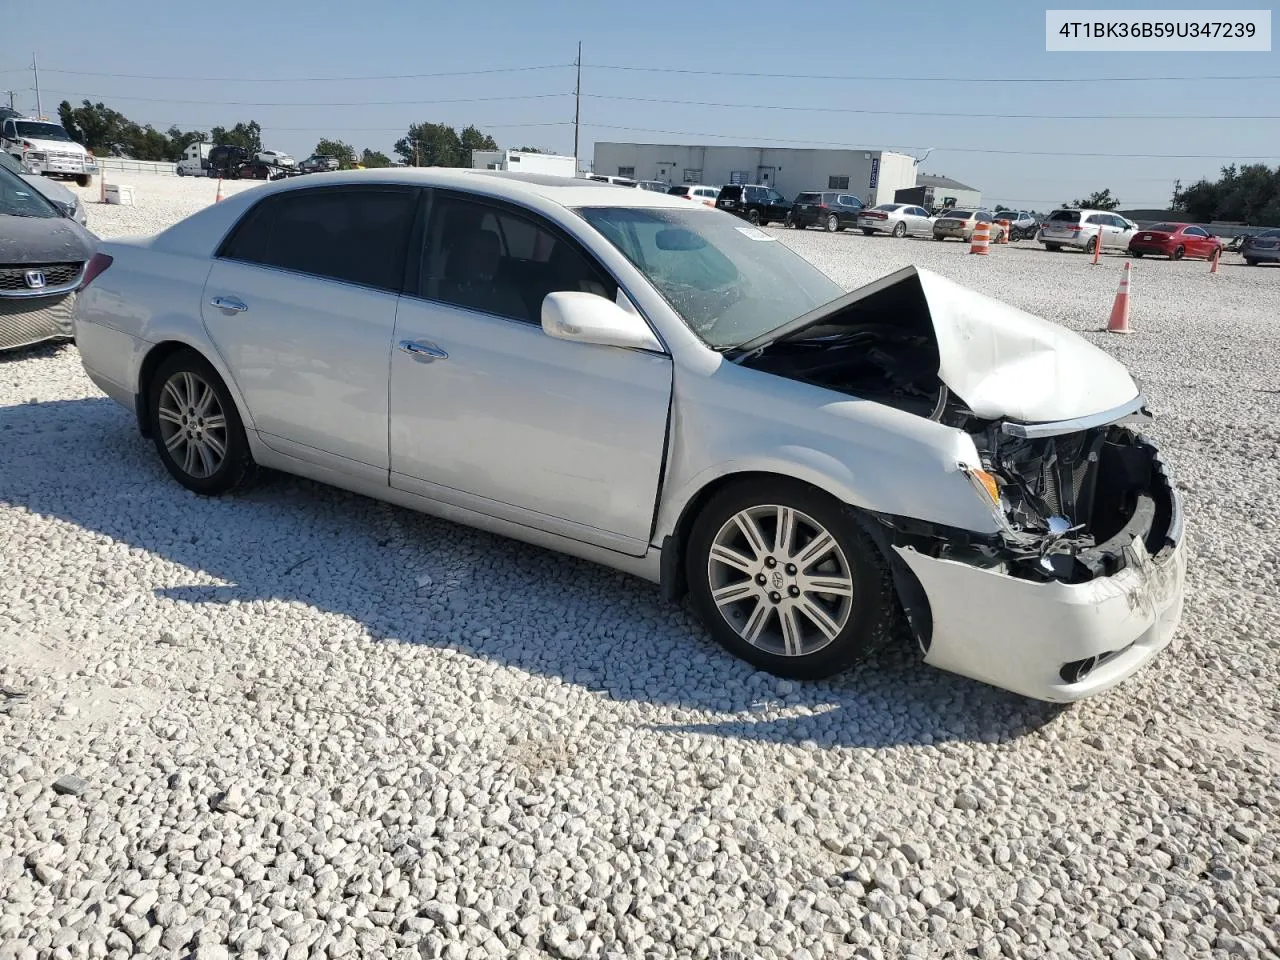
(866, 232)
(844, 627)
(1136, 254)
(899, 230)
(83, 180)
(181, 172)
(1252, 263)
(1178, 253)
(1091, 245)
(182, 378)
(1053, 247)
(753, 217)
(833, 223)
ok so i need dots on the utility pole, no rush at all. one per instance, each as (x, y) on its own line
(35, 69)
(10, 93)
(577, 109)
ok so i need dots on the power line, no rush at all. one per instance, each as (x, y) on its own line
(311, 103)
(349, 79)
(928, 113)
(863, 146)
(916, 79)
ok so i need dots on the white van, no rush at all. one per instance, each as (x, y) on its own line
(195, 160)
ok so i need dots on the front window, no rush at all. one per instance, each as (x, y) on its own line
(34, 130)
(729, 282)
(19, 199)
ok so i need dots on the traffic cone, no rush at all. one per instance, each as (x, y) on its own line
(1119, 322)
(218, 196)
(1217, 254)
(981, 239)
(1097, 249)
(1007, 227)
(102, 183)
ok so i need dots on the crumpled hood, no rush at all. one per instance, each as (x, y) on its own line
(1004, 363)
(35, 240)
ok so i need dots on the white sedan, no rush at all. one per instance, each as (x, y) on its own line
(657, 386)
(896, 219)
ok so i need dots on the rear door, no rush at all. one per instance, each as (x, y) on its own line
(1058, 228)
(301, 304)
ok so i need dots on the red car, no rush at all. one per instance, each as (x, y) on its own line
(1175, 241)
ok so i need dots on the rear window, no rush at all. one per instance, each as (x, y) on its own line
(806, 197)
(678, 191)
(888, 206)
(1164, 227)
(1065, 216)
(732, 192)
(959, 214)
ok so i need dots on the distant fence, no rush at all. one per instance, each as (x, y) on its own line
(136, 166)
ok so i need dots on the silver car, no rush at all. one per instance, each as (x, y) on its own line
(67, 200)
(655, 385)
(1084, 229)
(896, 219)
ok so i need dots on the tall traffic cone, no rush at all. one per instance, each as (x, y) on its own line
(218, 196)
(1006, 227)
(1217, 255)
(1119, 322)
(981, 239)
(1097, 248)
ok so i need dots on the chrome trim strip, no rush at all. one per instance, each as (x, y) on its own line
(43, 291)
(1031, 431)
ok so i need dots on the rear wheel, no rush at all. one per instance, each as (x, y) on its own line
(1092, 245)
(1053, 247)
(783, 576)
(84, 180)
(899, 229)
(1252, 263)
(1178, 252)
(833, 223)
(196, 427)
(1136, 254)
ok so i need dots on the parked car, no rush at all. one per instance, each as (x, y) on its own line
(656, 186)
(47, 149)
(896, 219)
(43, 253)
(1175, 241)
(1081, 229)
(695, 191)
(67, 200)
(960, 224)
(828, 209)
(618, 181)
(1022, 224)
(838, 455)
(317, 163)
(754, 203)
(276, 159)
(1263, 248)
(257, 170)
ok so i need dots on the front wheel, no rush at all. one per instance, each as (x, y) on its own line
(83, 180)
(785, 578)
(753, 217)
(1091, 245)
(833, 223)
(899, 230)
(197, 428)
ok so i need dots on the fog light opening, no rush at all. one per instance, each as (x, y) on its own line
(1077, 670)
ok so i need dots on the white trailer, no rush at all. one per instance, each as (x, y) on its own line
(519, 161)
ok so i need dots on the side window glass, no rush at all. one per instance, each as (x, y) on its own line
(492, 260)
(356, 236)
(1196, 232)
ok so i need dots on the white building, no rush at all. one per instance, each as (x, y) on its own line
(871, 175)
(518, 161)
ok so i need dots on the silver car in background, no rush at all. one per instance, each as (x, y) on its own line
(1085, 229)
(896, 219)
(655, 385)
(960, 224)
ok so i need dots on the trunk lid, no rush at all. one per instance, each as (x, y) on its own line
(1004, 363)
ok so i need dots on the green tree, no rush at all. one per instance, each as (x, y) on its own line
(1097, 201)
(1000, 208)
(430, 145)
(1249, 194)
(246, 135)
(374, 158)
(525, 149)
(343, 152)
(473, 140)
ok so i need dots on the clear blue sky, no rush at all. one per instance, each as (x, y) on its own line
(284, 39)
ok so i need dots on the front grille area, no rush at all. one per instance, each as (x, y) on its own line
(24, 322)
(55, 275)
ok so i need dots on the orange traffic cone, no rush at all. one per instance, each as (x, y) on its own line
(1217, 255)
(1006, 226)
(981, 239)
(1097, 249)
(1119, 322)
(218, 196)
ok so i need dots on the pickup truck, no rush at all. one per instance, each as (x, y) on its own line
(47, 149)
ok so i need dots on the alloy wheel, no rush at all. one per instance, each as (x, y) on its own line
(193, 425)
(780, 580)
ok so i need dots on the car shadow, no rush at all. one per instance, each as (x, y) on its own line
(410, 578)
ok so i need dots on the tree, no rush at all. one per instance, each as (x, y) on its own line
(1000, 208)
(1249, 194)
(1097, 201)
(245, 135)
(179, 140)
(343, 152)
(440, 145)
(525, 149)
(472, 140)
(374, 158)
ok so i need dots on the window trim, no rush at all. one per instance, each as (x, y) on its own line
(413, 192)
(418, 241)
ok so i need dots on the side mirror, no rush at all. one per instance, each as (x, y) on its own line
(590, 318)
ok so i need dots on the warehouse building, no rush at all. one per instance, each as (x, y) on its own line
(933, 192)
(872, 176)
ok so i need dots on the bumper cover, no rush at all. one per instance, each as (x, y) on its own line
(29, 320)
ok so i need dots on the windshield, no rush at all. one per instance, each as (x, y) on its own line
(728, 281)
(19, 199)
(41, 131)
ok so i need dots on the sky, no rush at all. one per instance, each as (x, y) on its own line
(856, 74)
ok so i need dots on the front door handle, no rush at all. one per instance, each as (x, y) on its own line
(424, 352)
(229, 303)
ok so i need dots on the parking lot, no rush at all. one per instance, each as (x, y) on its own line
(311, 724)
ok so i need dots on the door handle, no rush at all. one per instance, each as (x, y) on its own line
(424, 352)
(229, 303)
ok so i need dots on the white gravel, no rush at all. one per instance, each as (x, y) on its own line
(306, 724)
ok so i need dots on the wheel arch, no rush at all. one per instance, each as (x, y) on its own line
(155, 355)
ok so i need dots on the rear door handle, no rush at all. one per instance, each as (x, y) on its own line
(424, 352)
(229, 303)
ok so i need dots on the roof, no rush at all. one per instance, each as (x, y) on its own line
(930, 180)
(565, 191)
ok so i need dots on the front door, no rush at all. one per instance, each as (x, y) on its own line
(301, 305)
(765, 176)
(491, 414)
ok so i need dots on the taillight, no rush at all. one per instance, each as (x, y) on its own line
(97, 264)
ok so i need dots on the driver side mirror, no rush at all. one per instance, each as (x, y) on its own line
(590, 318)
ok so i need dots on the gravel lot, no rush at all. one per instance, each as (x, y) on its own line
(305, 724)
